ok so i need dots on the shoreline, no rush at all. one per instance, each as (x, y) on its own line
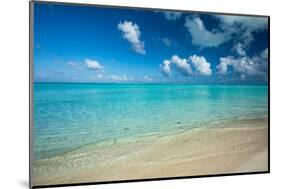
(208, 150)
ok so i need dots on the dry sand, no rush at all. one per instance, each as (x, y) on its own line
(187, 153)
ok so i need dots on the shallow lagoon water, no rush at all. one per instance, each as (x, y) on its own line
(71, 115)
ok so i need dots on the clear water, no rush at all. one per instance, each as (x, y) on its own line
(70, 116)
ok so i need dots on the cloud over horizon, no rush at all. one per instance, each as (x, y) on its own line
(118, 78)
(244, 66)
(184, 66)
(93, 64)
(201, 65)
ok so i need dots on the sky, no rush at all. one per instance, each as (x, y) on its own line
(75, 43)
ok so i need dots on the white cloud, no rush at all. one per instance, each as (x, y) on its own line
(182, 66)
(242, 28)
(201, 36)
(93, 64)
(118, 78)
(131, 32)
(201, 65)
(249, 23)
(244, 66)
(222, 66)
(230, 27)
(165, 68)
(147, 78)
(172, 15)
(239, 48)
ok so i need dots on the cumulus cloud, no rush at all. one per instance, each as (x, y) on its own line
(131, 33)
(245, 66)
(242, 65)
(242, 28)
(93, 64)
(185, 66)
(222, 66)
(201, 36)
(201, 65)
(165, 68)
(182, 66)
(118, 78)
(172, 15)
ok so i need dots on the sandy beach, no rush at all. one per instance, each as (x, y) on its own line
(241, 146)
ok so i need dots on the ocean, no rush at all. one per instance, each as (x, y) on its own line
(68, 116)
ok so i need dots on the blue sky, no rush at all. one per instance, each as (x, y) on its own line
(94, 44)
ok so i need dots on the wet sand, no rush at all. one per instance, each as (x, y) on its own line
(240, 147)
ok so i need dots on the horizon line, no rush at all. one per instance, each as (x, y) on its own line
(150, 83)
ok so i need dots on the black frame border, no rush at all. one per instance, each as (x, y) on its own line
(31, 62)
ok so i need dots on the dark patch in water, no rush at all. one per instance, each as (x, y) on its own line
(126, 129)
(178, 122)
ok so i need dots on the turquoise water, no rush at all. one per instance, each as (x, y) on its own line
(70, 116)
